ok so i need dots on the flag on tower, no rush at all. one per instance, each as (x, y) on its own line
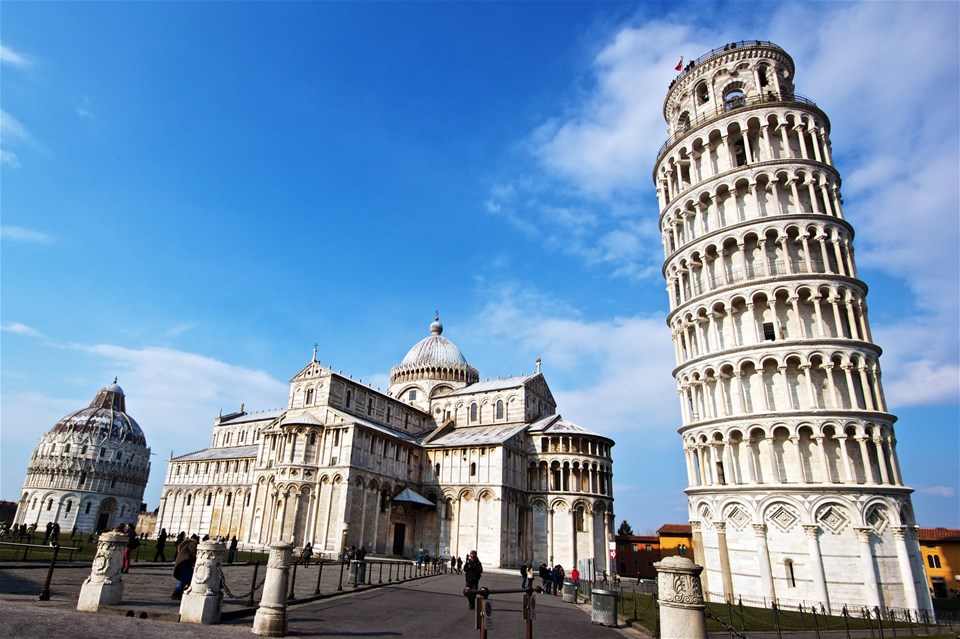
(679, 64)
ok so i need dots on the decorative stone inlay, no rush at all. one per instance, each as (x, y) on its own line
(738, 518)
(833, 519)
(877, 519)
(784, 518)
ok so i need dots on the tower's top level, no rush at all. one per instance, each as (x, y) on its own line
(739, 74)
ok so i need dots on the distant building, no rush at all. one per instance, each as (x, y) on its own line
(440, 462)
(636, 555)
(941, 556)
(794, 487)
(89, 470)
(676, 540)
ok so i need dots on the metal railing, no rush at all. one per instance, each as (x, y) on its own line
(732, 105)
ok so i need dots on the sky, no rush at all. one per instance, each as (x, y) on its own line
(192, 195)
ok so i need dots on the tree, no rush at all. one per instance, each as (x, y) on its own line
(625, 528)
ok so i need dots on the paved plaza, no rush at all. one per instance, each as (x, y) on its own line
(427, 607)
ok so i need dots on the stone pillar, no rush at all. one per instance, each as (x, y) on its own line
(271, 617)
(104, 586)
(867, 572)
(725, 574)
(763, 558)
(900, 535)
(681, 599)
(203, 600)
(698, 551)
(812, 532)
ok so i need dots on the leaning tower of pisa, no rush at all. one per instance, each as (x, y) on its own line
(795, 493)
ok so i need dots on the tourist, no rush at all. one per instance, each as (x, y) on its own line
(523, 576)
(183, 565)
(159, 554)
(133, 542)
(232, 550)
(575, 577)
(545, 579)
(472, 570)
(556, 576)
(305, 554)
(459, 565)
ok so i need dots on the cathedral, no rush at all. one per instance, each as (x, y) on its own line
(794, 488)
(441, 461)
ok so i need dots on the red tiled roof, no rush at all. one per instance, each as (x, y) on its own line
(939, 534)
(675, 529)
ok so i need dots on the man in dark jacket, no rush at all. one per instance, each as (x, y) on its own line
(159, 554)
(472, 571)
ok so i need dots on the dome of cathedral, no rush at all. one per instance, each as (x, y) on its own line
(104, 419)
(434, 357)
(435, 350)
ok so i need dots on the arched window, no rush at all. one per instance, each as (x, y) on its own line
(473, 412)
(369, 406)
(189, 499)
(209, 498)
(309, 399)
(703, 93)
(313, 439)
(82, 480)
(86, 510)
(473, 469)
(733, 99)
(66, 448)
(499, 410)
(436, 469)
(791, 578)
(682, 550)
(49, 504)
(227, 499)
(69, 505)
(83, 449)
(349, 397)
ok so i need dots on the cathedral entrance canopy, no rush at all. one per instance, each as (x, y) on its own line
(411, 496)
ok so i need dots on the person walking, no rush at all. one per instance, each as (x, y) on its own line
(472, 571)
(133, 542)
(159, 554)
(305, 554)
(183, 564)
(232, 550)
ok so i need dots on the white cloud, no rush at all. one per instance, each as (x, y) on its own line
(937, 491)
(15, 59)
(9, 158)
(172, 394)
(24, 236)
(84, 109)
(10, 127)
(21, 329)
(609, 375)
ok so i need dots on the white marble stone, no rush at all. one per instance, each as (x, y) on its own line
(104, 586)
(681, 599)
(203, 600)
(271, 617)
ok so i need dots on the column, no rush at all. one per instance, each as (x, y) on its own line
(881, 459)
(821, 326)
(812, 532)
(903, 561)
(271, 617)
(867, 572)
(725, 575)
(871, 478)
(763, 556)
(698, 554)
(824, 462)
(845, 456)
(867, 391)
(681, 599)
(796, 195)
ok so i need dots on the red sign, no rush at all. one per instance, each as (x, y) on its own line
(613, 554)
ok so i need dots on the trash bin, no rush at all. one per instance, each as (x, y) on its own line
(352, 571)
(604, 609)
(585, 589)
(362, 571)
(569, 592)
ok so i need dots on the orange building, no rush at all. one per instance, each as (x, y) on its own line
(676, 539)
(941, 559)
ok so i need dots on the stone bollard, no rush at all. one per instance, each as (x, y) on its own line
(104, 586)
(203, 600)
(271, 618)
(681, 599)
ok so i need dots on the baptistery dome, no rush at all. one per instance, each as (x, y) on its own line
(90, 470)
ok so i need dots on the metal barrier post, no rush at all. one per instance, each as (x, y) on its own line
(846, 622)
(271, 617)
(876, 610)
(816, 626)
(319, 575)
(45, 593)
(380, 580)
(340, 582)
(253, 584)
(803, 621)
(776, 619)
(293, 583)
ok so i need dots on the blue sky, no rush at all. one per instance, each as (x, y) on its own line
(195, 193)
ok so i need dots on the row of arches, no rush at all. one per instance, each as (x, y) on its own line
(804, 453)
(565, 476)
(777, 383)
(786, 252)
(783, 313)
(759, 195)
(744, 139)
